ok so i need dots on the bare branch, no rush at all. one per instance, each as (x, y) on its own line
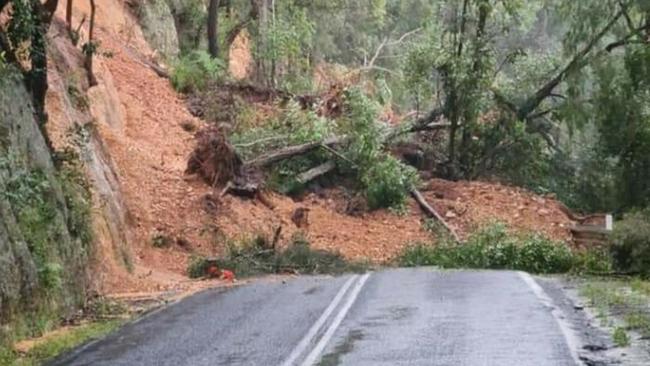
(387, 42)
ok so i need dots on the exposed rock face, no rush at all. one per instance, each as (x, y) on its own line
(43, 246)
(158, 26)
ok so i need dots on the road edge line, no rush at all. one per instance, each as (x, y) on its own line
(320, 346)
(569, 335)
(308, 338)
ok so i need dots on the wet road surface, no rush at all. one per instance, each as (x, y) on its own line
(393, 317)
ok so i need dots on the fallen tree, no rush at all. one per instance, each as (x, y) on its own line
(219, 164)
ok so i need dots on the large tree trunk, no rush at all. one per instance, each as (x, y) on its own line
(213, 28)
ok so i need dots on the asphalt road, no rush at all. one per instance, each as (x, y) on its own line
(393, 317)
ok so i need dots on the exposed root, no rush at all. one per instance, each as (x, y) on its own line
(214, 159)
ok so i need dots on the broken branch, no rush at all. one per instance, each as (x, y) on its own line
(432, 212)
(316, 172)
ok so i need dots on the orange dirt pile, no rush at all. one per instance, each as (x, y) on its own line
(377, 236)
(467, 205)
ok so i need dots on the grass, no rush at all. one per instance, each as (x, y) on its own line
(493, 247)
(51, 347)
(625, 302)
(256, 256)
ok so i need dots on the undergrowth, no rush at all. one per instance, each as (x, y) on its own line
(195, 71)
(630, 243)
(255, 256)
(492, 247)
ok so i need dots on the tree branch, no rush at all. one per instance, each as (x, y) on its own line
(291, 151)
(542, 93)
(419, 198)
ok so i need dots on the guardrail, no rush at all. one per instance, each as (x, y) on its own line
(594, 231)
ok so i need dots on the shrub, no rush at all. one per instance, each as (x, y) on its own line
(493, 248)
(194, 71)
(198, 267)
(630, 243)
(387, 183)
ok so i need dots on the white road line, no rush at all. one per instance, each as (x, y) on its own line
(311, 334)
(315, 353)
(569, 336)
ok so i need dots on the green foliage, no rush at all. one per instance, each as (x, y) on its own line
(493, 248)
(28, 191)
(195, 71)
(622, 116)
(23, 22)
(630, 243)
(283, 45)
(293, 126)
(78, 198)
(190, 17)
(620, 337)
(360, 123)
(592, 261)
(253, 256)
(388, 183)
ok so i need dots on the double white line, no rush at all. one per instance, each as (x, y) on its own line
(314, 331)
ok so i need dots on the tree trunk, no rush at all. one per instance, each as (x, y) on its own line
(213, 28)
(90, 46)
(469, 119)
(68, 16)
